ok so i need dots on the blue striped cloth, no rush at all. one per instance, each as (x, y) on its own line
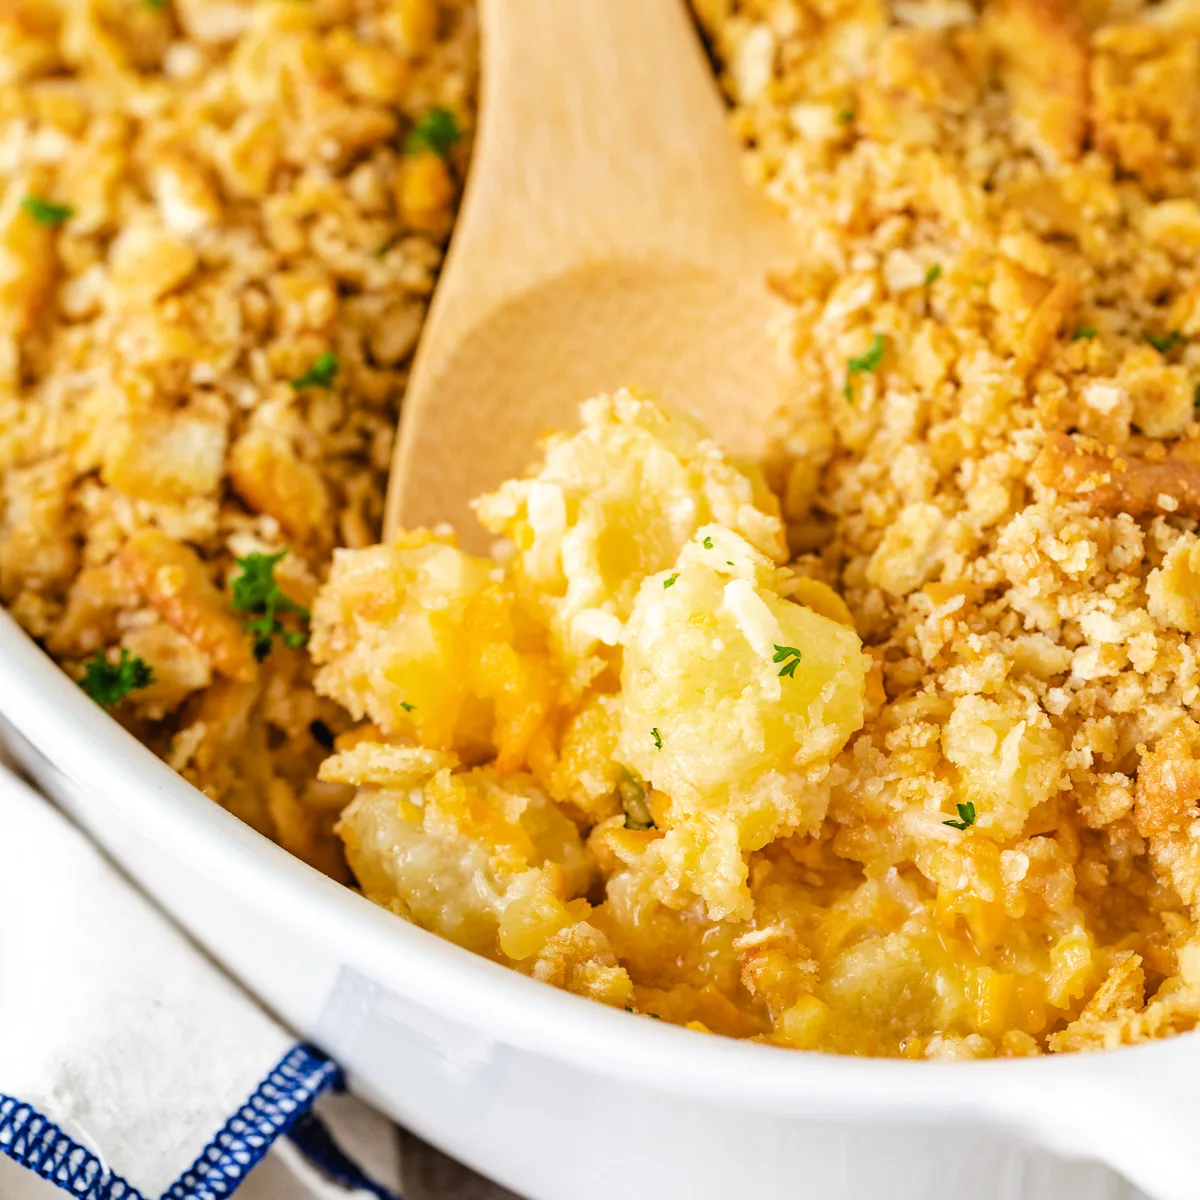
(131, 1066)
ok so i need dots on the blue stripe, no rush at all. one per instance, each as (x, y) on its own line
(277, 1104)
(34, 1141)
(282, 1100)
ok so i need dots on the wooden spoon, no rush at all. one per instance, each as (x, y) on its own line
(606, 239)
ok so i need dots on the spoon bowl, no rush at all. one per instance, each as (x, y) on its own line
(606, 239)
(693, 338)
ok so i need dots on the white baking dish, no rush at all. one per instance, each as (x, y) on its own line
(562, 1099)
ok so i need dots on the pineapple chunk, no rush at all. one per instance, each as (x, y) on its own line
(614, 503)
(482, 859)
(426, 640)
(734, 700)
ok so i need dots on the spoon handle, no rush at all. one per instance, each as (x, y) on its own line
(604, 120)
(602, 135)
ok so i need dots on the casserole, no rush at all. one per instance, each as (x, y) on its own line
(560, 1099)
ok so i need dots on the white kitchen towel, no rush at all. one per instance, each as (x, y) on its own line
(131, 1066)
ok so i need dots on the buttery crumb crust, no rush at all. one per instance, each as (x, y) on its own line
(238, 202)
(1006, 193)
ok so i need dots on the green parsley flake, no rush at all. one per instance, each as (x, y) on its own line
(670, 580)
(158, 4)
(321, 374)
(845, 116)
(255, 591)
(404, 704)
(632, 792)
(108, 683)
(1084, 333)
(790, 657)
(46, 212)
(707, 543)
(966, 816)
(657, 738)
(864, 362)
(1164, 343)
(437, 130)
(933, 274)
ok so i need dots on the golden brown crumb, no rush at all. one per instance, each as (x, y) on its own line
(173, 580)
(1042, 46)
(1109, 480)
(1168, 783)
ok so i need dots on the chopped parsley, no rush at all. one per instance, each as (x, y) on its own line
(255, 591)
(966, 816)
(322, 734)
(670, 580)
(933, 274)
(109, 683)
(404, 704)
(845, 116)
(321, 374)
(384, 247)
(1164, 343)
(707, 543)
(46, 212)
(1084, 332)
(1196, 397)
(657, 738)
(862, 363)
(790, 657)
(155, 3)
(633, 800)
(437, 130)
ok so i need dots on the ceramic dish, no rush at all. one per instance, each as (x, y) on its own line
(561, 1099)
